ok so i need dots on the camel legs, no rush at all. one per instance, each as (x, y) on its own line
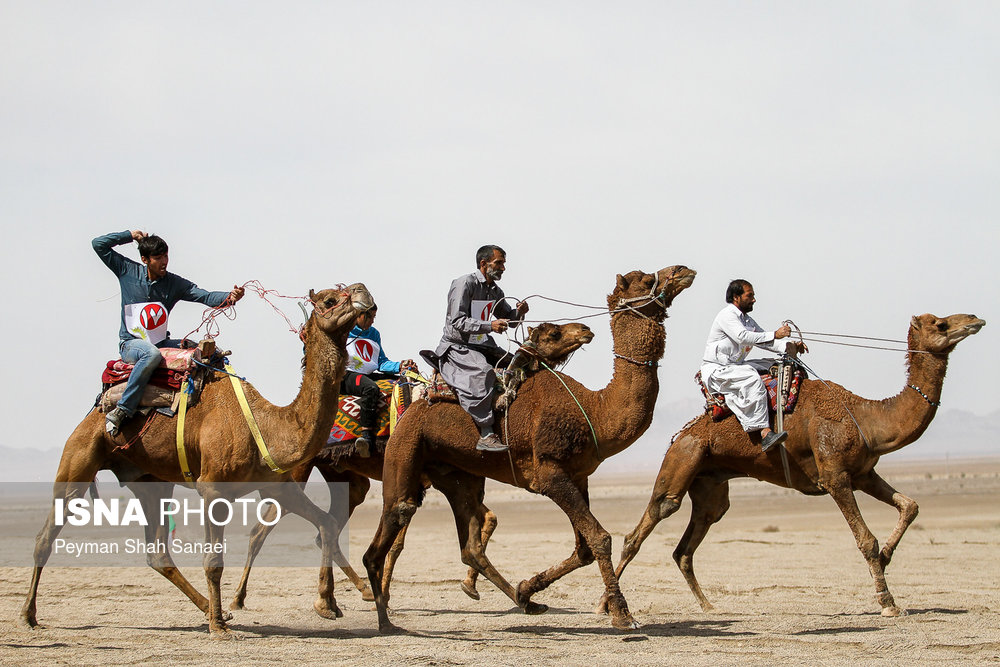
(582, 555)
(489, 521)
(149, 495)
(843, 494)
(878, 488)
(558, 486)
(358, 487)
(677, 472)
(464, 492)
(293, 499)
(709, 502)
(77, 469)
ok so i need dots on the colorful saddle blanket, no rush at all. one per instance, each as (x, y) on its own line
(162, 389)
(715, 404)
(395, 399)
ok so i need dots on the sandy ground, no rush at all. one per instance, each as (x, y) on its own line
(783, 571)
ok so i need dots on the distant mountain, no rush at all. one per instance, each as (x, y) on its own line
(953, 434)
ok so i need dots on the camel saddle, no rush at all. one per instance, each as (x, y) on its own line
(397, 394)
(715, 404)
(163, 389)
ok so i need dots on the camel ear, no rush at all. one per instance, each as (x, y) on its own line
(621, 282)
(531, 330)
(312, 296)
(915, 322)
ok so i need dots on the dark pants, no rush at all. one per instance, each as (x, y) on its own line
(362, 386)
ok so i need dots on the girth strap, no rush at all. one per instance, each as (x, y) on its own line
(181, 415)
(251, 422)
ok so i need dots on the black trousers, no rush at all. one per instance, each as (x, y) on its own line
(365, 388)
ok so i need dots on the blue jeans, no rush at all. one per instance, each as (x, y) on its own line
(145, 357)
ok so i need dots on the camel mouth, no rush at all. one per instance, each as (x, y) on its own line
(970, 329)
(587, 337)
(677, 279)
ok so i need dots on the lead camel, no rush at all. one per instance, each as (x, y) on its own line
(827, 455)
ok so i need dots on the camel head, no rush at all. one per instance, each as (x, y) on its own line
(650, 293)
(553, 343)
(941, 334)
(335, 310)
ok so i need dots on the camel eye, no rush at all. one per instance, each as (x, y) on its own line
(330, 303)
(942, 326)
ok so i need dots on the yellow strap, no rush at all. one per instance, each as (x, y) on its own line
(181, 454)
(416, 377)
(251, 422)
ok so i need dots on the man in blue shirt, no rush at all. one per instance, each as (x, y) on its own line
(149, 293)
(364, 357)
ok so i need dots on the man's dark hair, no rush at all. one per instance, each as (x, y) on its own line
(151, 246)
(486, 253)
(735, 289)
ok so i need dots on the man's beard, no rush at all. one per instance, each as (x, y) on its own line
(494, 274)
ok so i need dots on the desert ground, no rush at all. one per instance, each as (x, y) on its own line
(783, 571)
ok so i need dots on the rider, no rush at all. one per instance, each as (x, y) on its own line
(724, 367)
(149, 293)
(467, 354)
(365, 356)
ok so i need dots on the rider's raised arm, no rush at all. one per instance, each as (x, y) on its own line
(103, 246)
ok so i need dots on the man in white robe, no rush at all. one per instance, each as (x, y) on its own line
(726, 371)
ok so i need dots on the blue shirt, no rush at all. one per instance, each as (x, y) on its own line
(136, 287)
(372, 334)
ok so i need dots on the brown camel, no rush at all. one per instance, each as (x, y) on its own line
(827, 452)
(549, 344)
(559, 432)
(220, 448)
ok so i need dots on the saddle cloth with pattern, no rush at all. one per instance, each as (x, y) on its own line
(715, 404)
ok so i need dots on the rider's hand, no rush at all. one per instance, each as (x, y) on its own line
(801, 347)
(522, 309)
(499, 326)
(137, 235)
(784, 331)
(235, 295)
(408, 365)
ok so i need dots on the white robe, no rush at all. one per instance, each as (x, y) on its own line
(725, 371)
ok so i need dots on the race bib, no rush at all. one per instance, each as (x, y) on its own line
(362, 355)
(481, 310)
(147, 321)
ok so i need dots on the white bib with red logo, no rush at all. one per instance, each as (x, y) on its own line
(147, 321)
(362, 355)
(481, 310)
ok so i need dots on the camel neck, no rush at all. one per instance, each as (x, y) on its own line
(624, 408)
(896, 422)
(315, 406)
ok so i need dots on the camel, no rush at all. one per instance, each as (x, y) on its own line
(547, 344)
(220, 448)
(559, 433)
(828, 454)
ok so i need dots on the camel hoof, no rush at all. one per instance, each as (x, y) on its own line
(534, 608)
(626, 623)
(225, 634)
(327, 610)
(893, 611)
(470, 590)
(30, 623)
(236, 604)
(388, 628)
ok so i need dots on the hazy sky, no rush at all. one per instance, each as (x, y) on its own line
(841, 156)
